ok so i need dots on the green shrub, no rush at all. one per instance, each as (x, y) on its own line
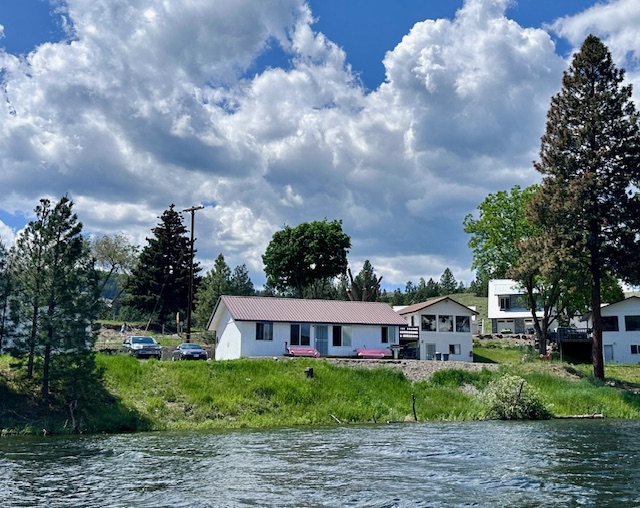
(511, 398)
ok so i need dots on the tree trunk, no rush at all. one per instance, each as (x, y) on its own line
(540, 333)
(45, 370)
(596, 340)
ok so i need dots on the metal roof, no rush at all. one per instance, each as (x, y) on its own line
(423, 305)
(291, 310)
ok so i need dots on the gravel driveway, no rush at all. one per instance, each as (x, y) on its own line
(415, 370)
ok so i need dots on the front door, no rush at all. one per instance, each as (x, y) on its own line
(322, 339)
(608, 353)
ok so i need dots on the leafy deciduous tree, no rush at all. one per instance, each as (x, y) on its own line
(310, 255)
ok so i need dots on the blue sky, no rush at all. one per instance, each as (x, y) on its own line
(398, 118)
(366, 29)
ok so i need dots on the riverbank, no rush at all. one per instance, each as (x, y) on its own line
(134, 395)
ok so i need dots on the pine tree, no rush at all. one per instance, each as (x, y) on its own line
(159, 283)
(240, 283)
(215, 283)
(433, 289)
(590, 159)
(365, 287)
(57, 286)
(448, 284)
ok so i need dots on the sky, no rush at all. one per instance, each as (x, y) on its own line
(398, 118)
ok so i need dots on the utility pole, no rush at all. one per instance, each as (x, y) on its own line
(192, 211)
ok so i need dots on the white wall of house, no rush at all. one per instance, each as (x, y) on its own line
(623, 345)
(445, 327)
(504, 288)
(238, 339)
(229, 344)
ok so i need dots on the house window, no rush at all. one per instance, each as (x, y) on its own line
(300, 334)
(505, 303)
(341, 336)
(610, 324)
(462, 324)
(445, 323)
(264, 331)
(388, 335)
(428, 322)
(635, 349)
(632, 323)
(454, 349)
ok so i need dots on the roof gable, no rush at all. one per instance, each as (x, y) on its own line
(292, 310)
(416, 307)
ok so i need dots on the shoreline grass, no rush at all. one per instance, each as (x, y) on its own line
(149, 395)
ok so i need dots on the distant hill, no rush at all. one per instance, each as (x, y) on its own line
(471, 300)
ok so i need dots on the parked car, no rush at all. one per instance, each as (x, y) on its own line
(189, 351)
(142, 347)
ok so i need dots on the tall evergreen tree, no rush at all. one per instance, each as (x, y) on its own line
(365, 287)
(159, 283)
(448, 284)
(433, 288)
(57, 286)
(590, 158)
(215, 283)
(240, 283)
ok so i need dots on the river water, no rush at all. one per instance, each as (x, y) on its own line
(568, 463)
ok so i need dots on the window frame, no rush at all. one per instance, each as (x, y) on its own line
(341, 338)
(504, 302)
(631, 319)
(388, 335)
(607, 328)
(297, 334)
(460, 323)
(261, 326)
(445, 323)
(455, 349)
(428, 322)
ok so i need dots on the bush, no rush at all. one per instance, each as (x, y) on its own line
(511, 398)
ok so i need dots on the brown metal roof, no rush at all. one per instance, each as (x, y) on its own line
(423, 305)
(291, 310)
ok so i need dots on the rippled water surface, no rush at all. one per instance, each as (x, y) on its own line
(484, 464)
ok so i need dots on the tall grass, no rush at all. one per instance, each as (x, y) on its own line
(134, 395)
(256, 393)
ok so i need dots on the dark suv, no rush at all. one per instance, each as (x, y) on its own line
(142, 347)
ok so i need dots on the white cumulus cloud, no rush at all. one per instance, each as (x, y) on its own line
(151, 103)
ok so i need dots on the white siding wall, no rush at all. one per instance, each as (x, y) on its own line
(229, 343)
(443, 340)
(622, 340)
(238, 339)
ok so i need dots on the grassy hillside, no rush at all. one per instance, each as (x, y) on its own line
(137, 395)
(471, 300)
